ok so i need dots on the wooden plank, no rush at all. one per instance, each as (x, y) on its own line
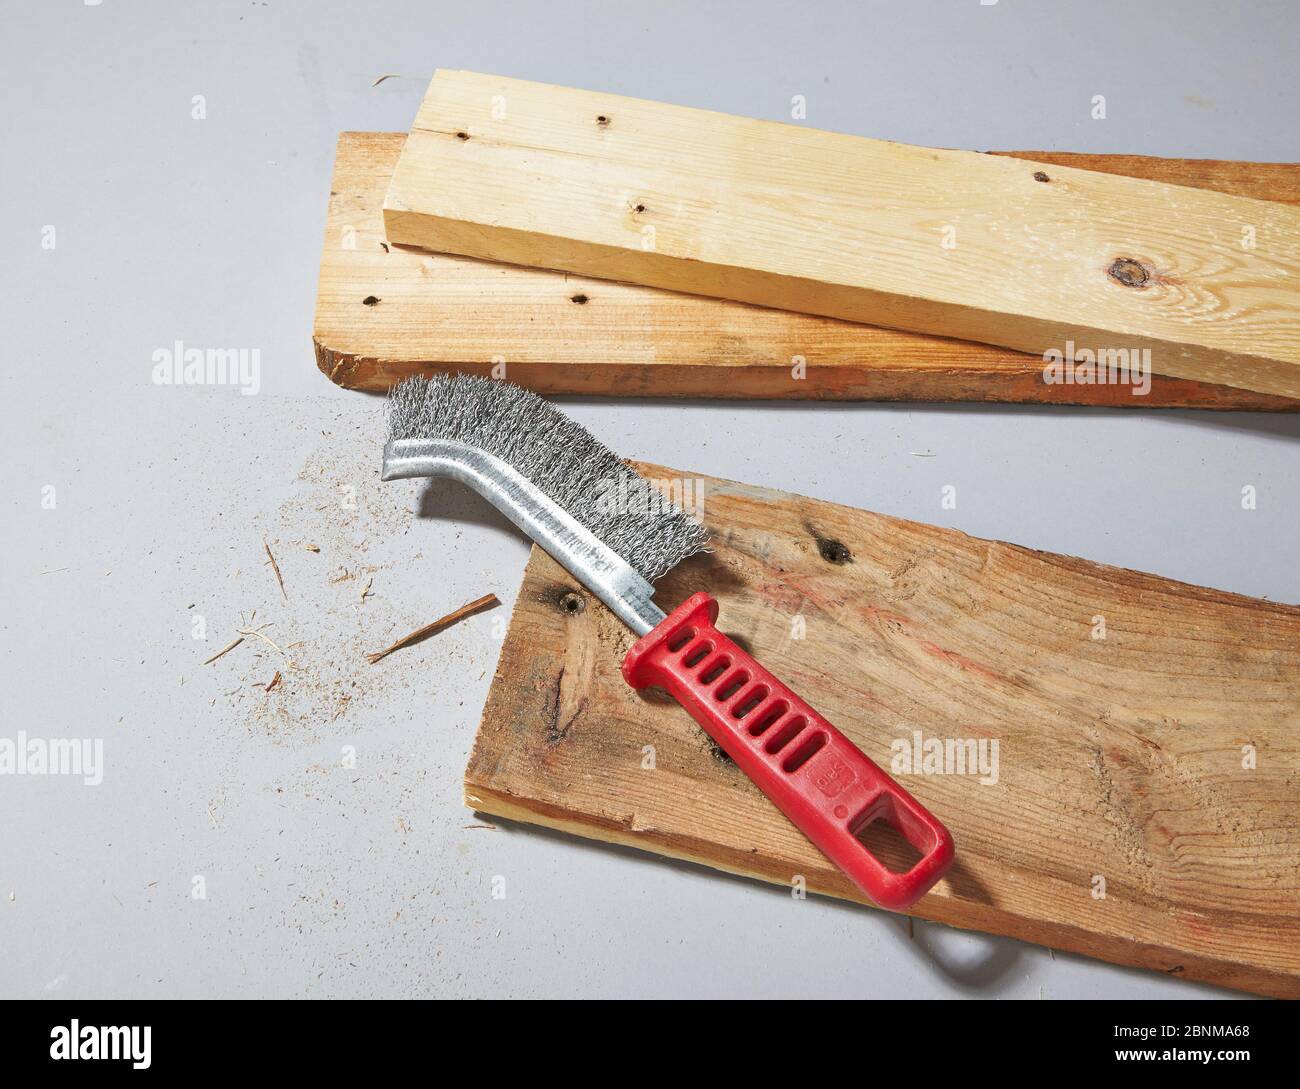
(435, 312)
(1121, 757)
(1014, 252)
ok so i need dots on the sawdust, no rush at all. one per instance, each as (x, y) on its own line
(328, 535)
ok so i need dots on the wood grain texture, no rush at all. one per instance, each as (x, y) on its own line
(846, 227)
(435, 312)
(1120, 757)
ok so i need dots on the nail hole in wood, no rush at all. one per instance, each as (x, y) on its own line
(370, 300)
(573, 603)
(638, 208)
(602, 120)
(579, 299)
(717, 751)
(1129, 272)
(833, 551)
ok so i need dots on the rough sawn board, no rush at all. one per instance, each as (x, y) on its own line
(1123, 757)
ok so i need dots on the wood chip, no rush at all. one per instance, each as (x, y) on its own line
(257, 634)
(274, 681)
(312, 547)
(276, 568)
(487, 601)
(225, 650)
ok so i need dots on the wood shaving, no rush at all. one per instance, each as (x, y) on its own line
(276, 568)
(225, 650)
(487, 601)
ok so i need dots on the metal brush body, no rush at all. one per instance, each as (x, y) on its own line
(593, 563)
(615, 533)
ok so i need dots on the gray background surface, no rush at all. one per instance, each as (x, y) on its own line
(324, 880)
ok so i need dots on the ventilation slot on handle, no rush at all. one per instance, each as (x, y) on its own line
(754, 697)
(785, 734)
(768, 718)
(804, 753)
(681, 639)
(695, 656)
(715, 669)
(732, 685)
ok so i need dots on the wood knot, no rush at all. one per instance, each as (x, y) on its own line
(581, 300)
(462, 135)
(370, 300)
(1039, 176)
(1129, 272)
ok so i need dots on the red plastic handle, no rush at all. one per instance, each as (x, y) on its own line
(816, 776)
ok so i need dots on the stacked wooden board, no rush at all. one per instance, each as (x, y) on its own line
(384, 312)
(1142, 809)
(1027, 255)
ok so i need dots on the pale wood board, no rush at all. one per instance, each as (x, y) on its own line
(435, 312)
(847, 227)
(1120, 757)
